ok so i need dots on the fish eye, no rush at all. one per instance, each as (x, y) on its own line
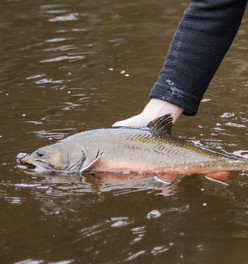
(41, 152)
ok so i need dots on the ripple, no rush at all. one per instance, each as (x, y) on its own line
(135, 255)
(104, 226)
(35, 76)
(54, 134)
(14, 200)
(26, 185)
(68, 17)
(120, 221)
(50, 6)
(158, 250)
(70, 106)
(61, 58)
(34, 261)
(234, 124)
(92, 230)
(52, 40)
(35, 122)
(43, 81)
(28, 261)
(227, 115)
(139, 233)
(56, 11)
(61, 48)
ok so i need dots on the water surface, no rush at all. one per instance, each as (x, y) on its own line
(60, 74)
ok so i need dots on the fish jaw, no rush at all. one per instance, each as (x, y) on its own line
(35, 164)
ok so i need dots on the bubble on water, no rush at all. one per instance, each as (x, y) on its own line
(21, 155)
(153, 214)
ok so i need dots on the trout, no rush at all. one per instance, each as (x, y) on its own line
(149, 150)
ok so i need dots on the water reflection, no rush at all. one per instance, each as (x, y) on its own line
(92, 212)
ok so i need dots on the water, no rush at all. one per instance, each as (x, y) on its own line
(60, 74)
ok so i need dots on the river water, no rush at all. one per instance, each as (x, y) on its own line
(60, 74)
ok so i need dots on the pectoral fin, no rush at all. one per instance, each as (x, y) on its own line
(92, 164)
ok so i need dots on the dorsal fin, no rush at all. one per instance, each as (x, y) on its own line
(162, 124)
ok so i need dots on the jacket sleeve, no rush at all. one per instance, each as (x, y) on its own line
(202, 39)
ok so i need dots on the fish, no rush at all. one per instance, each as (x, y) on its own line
(147, 150)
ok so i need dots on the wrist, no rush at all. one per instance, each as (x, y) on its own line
(157, 107)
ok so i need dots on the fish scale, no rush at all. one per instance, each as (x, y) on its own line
(142, 150)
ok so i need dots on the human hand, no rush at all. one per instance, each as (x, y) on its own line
(155, 108)
(137, 120)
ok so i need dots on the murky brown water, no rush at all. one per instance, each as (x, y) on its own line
(60, 74)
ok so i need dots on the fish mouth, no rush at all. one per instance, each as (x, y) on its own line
(26, 165)
(35, 165)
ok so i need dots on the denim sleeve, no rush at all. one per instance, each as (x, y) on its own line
(202, 39)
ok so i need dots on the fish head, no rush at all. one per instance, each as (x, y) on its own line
(55, 157)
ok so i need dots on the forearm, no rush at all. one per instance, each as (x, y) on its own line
(203, 37)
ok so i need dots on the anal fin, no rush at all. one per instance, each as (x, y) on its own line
(219, 176)
(166, 178)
